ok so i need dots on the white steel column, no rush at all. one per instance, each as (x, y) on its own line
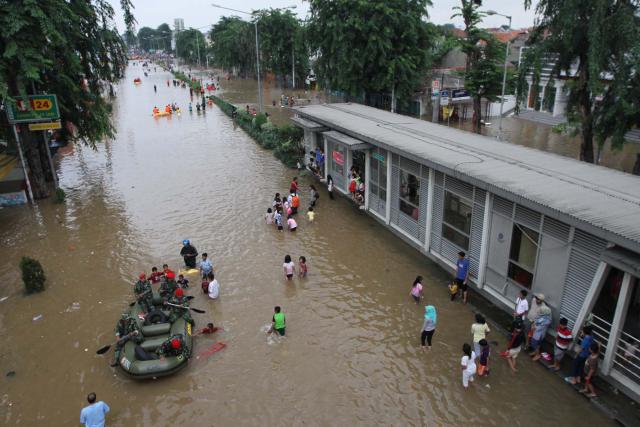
(624, 297)
(427, 237)
(590, 299)
(347, 170)
(484, 248)
(367, 177)
(388, 201)
(327, 156)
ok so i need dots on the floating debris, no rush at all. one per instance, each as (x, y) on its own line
(38, 317)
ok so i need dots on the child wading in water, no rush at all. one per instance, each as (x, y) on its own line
(278, 220)
(288, 267)
(184, 283)
(468, 365)
(302, 267)
(268, 217)
(453, 290)
(311, 214)
(485, 351)
(591, 369)
(416, 289)
(278, 322)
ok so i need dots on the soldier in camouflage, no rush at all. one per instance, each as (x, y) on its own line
(174, 346)
(168, 285)
(143, 293)
(126, 329)
(178, 299)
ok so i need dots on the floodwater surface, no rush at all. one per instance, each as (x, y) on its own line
(352, 352)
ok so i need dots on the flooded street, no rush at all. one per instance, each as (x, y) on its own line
(352, 352)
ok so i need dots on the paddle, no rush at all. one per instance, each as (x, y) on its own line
(189, 308)
(103, 350)
(189, 298)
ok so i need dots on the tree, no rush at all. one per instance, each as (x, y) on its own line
(164, 35)
(233, 44)
(483, 73)
(370, 46)
(70, 49)
(190, 45)
(597, 46)
(281, 42)
(146, 38)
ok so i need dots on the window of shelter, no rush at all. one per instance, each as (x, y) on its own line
(409, 194)
(456, 221)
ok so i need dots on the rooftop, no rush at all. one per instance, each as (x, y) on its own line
(602, 201)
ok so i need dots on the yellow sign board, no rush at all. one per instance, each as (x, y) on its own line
(45, 126)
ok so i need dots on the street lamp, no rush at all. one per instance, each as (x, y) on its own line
(255, 23)
(504, 76)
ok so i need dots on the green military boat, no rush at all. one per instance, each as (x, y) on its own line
(155, 331)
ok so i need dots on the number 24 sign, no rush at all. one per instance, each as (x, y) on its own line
(33, 108)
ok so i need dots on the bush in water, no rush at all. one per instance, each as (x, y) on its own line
(285, 141)
(60, 196)
(32, 275)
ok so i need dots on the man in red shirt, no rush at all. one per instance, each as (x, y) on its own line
(294, 185)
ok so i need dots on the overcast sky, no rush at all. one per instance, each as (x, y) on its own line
(200, 13)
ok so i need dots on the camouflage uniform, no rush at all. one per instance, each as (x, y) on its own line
(168, 287)
(178, 312)
(167, 350)
(125, 326)
(144, 295)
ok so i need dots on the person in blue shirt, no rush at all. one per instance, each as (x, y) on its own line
(94, 414)
(462, 274)
(577, 369)
(206, 266)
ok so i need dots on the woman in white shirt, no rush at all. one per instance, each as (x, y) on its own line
(214, 287)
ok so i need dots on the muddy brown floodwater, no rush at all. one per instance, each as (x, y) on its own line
(351, 355)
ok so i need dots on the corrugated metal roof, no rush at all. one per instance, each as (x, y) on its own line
(352, 143)
(307, 124)
(605, 199)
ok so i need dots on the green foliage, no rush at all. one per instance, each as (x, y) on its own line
(71, 49)
(597, 42)
(195, 84)
(259, 120)
(150, 39)
(484, 58)
(32, 275)
(370, 45)
(285, 141)
(281, 39)
(59, 196)
(233, 44)
(191, 46)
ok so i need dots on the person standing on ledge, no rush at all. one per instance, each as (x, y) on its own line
(189, 253)
(462, 274)
(94, 414)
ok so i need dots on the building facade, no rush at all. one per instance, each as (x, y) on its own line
(526, 219)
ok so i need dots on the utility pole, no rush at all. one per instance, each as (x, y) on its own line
(258, 67)
(198, 47)
(293, 65)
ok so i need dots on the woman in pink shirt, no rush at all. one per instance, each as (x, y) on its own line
(292, 223)
(416, 289)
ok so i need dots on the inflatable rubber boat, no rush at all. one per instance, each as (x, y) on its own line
(155, 330)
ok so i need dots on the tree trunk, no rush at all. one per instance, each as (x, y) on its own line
(477, 113)
(636, 166)
(34, 159)
(586, 148)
